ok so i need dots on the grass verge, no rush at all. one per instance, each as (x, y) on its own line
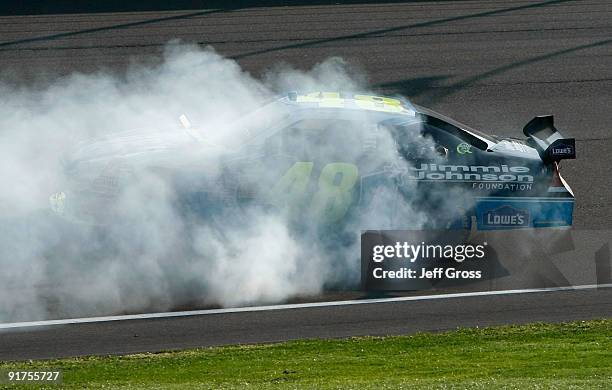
(570, 355)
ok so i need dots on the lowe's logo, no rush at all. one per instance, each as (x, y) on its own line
(506, 216)
(562, 151)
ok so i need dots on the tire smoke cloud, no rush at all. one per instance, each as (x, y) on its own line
(150, 254)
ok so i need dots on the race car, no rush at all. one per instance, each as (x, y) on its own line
(333, 157)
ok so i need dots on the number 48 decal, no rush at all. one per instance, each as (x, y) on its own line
(334, 195)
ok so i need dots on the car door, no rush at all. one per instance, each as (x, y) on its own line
(309, 167)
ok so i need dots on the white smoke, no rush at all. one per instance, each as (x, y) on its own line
(151, 256)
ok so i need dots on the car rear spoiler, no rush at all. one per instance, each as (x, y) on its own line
(549, 143)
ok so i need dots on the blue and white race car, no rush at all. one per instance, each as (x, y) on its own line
(335, 157)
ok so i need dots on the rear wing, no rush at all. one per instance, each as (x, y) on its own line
(549, 143)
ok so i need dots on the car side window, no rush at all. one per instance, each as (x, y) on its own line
(417, 141)
(440, 137)
(455, 146)
(455, 135)
(335, 140)
(424, 140)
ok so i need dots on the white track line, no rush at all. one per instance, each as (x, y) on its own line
(292, 306)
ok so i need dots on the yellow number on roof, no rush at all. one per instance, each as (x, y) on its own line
(325, 99)
(369, 102)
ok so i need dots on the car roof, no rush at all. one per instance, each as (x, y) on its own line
(394, 106)
(350, 101)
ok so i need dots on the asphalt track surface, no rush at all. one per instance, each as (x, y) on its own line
(490, 64)
(403, 317)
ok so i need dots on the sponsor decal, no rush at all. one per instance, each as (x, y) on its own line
(562, 148)
(502, 186)
(467, 173)
(464, 148)
(506, 216)
(562, 151)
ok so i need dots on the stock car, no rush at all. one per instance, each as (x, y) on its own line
(335, 156)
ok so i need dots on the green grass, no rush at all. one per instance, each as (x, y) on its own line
(571, 355)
